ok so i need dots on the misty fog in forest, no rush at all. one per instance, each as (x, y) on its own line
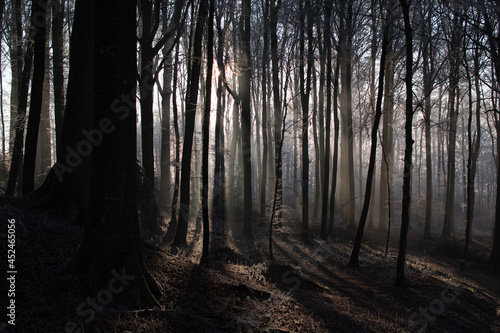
(253, 166)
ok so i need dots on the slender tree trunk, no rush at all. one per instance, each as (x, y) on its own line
(206, 137)
(146, 84)
(36, 99)
(219, 196)
(4, 152)
(326, 155)
(318, 151)
(347, 158)
(175, 197)
(474, 144)
(386, 166)
(265, 146)
(452, 133)
(44, 147)
(353, 261)
(428, 72)
(245, 117)
(166, 95)
(305, 90)
(275, 7)
(16, 59)
(405, 218)
(187, 148)
(17, 152)
(333, 187)
(58, 70)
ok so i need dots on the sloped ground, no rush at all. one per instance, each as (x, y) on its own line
(307, 288)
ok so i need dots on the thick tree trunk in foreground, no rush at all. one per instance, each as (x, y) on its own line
(110, 244)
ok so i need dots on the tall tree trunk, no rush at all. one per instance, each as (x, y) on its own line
(111, 241)
(187, 148)
(275, 7)
(150, 11)
(58, 70)
(16, 60)
(473, 145)
(44, 147)
(36, 98)
(265, 146)
(246, 64)
(373, 59)
(353, 261)
(386, 166)
(206, 136)
(405, 217)
(305, 90)
(219, 196)
(175, 197)
(4, 152)
(326, 156)
(333, 187)
(17, 152)
(166, 98)
(494, 50)
(318, 151)
(449, 214)
(345, 43)
(428, 73)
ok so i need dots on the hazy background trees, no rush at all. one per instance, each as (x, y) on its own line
(317, 62)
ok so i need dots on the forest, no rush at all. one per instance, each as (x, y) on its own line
(250, 166)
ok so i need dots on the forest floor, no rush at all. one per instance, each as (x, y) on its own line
(308, 288)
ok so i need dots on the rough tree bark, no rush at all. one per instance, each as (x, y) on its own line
(110, 244)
